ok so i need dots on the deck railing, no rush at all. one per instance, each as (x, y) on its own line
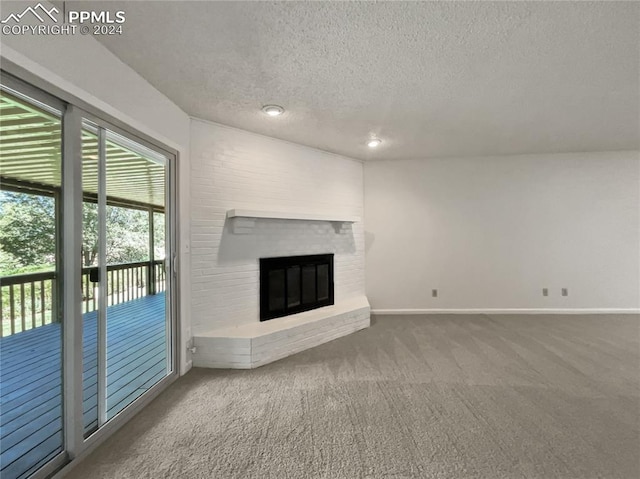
(28, 301)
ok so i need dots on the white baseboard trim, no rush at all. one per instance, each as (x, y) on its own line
(187, 368)
(380, 312)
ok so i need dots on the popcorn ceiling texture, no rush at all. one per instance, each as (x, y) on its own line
(430, 78)
(438, 397)
(236, 169)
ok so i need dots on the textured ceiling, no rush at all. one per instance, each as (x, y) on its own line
(431, 79)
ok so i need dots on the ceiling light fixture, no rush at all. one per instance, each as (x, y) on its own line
(273, 110)
(374, 142)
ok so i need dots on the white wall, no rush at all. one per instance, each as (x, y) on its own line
(235, 169)
(84, 68)
(492, 232)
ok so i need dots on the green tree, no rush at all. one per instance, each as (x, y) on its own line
(127, 235)
(27, 233)
(158, 236)
(89, 234)
(27, 229)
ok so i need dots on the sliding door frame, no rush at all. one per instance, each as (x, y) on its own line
(107, 428)
(51, 103)
(71, 276)
(102, 278)
(74, 111)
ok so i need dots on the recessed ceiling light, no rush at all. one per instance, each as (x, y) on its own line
(374, 142)
(273, 110)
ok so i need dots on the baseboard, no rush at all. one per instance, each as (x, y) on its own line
(187, 367)
(507, 311)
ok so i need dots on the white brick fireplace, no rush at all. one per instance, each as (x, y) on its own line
(296, 201)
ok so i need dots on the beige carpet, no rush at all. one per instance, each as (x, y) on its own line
(424, 397)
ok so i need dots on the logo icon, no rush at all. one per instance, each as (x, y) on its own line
(34, 10)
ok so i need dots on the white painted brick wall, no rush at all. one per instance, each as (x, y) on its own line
(232, 168)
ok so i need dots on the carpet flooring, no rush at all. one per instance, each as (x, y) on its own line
(411, 397)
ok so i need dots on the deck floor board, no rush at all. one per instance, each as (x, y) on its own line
(31, 383)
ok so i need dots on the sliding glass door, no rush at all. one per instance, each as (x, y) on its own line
(127, 333)
(127, 326)
(86, 283)
(31, 338)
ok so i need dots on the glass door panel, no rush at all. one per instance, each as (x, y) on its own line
(137, 329)
(89, 278)
(103, 200)
(126, 328)
(31, 394)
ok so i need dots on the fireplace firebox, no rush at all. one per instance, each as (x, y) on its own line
(293, 284)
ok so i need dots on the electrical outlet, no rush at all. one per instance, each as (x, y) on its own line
(434, 293)
(565, 292)
(545, 291)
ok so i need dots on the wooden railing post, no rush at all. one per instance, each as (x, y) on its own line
(151, 276)
(55, 314)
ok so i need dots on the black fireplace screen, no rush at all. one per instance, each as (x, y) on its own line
(292, 284)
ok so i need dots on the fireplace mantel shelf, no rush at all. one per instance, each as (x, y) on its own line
(289, 215)
(244, 219)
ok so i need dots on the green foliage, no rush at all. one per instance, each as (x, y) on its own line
(89, 234)
(28, 245)
(27, 230)
(127, 235)
(158, 236)
(27, 234)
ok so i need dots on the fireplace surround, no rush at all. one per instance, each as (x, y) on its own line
(292, 284)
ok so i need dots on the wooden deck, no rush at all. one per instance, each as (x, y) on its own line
(30, 379)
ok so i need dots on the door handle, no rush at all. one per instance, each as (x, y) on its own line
(94, 275)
